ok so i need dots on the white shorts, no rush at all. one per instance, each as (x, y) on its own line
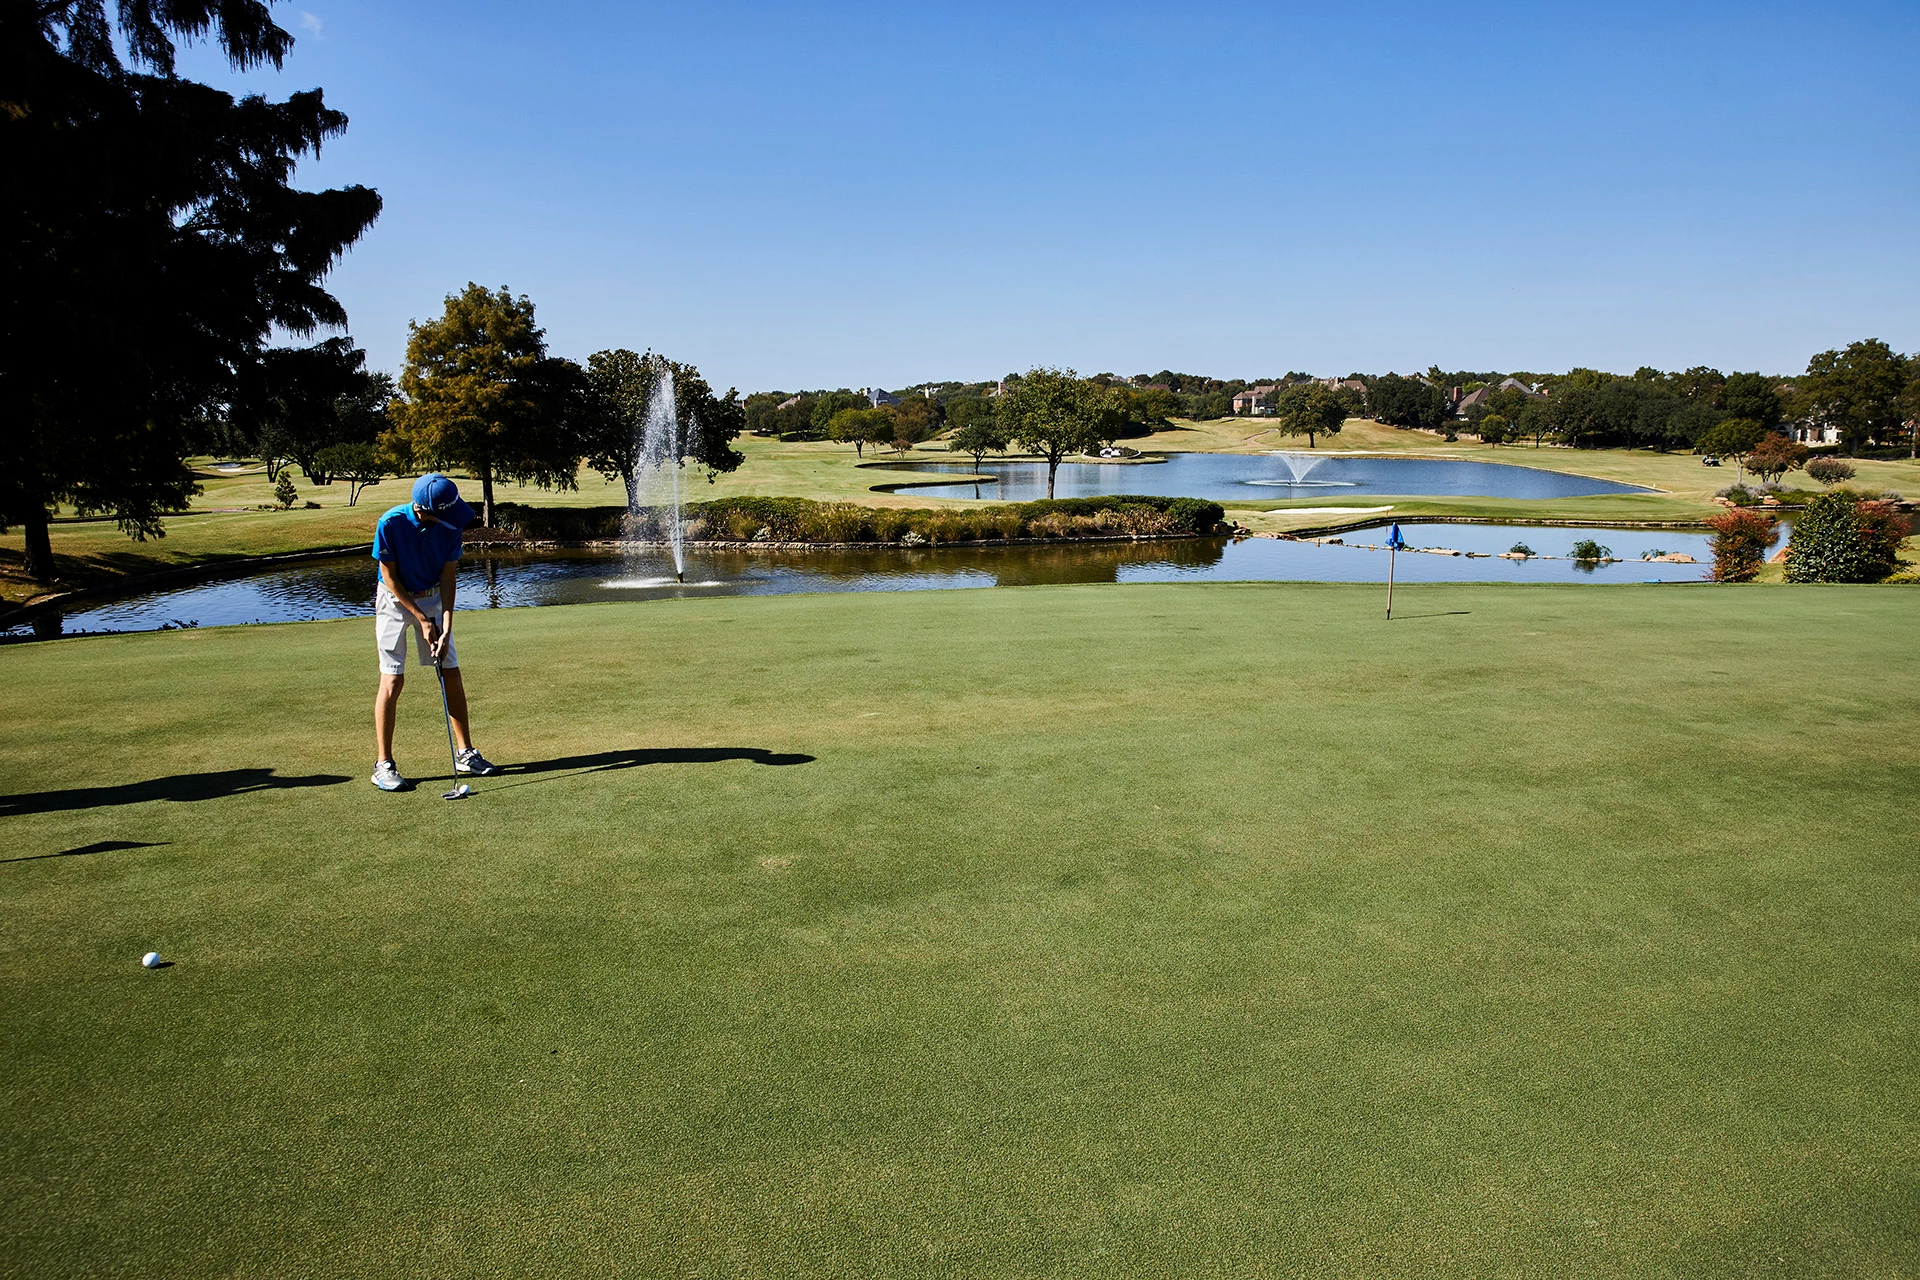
(391, 624)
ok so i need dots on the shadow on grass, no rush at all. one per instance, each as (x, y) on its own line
(184, 787)
(606, 761)
(1449, 613)
(98, 846)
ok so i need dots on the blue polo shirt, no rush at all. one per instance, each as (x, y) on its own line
(416, 548)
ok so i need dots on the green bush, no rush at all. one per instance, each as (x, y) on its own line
(284, 493)
(1195, 515)
(803, 520)
(1841, 536)
(1588, 549)
(560, 524)
(1830, 470)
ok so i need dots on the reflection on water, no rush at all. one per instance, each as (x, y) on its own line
(343, 587)
(1276, 476)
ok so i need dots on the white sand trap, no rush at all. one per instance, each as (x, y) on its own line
(1328, 511)
(641, 584)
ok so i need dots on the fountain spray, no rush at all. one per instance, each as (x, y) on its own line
(658, 451)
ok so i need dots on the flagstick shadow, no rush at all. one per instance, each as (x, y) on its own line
(1450, 613)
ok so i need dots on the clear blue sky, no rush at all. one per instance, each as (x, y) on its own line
(797, 196)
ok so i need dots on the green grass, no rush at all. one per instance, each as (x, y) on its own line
(1151, 930)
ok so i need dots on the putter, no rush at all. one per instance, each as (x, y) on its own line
(461, 791)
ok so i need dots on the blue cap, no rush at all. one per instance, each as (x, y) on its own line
(441, 496)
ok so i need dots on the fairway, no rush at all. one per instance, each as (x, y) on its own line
(1060, 931)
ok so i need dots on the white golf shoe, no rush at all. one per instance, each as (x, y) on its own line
(471, 761)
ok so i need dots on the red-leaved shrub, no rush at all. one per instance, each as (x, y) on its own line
(1740, 540)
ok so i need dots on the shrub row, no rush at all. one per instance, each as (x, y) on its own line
(749, 519)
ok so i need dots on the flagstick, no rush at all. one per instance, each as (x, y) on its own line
(1391, 553)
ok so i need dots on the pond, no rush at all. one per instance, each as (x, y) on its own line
(343, 586)
(1236, 477)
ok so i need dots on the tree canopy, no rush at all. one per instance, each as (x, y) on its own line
(860, 428)
(977, 439)
(1309, 410)
(1408, 402)
(1735, 438)
(306, 399)
(1055, 413)
(154, 243)
(1859, 390)
(479, 391)
(621, 385)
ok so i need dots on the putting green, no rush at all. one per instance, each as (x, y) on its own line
(1199, 930)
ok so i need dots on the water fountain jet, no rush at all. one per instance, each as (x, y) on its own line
(655, 499)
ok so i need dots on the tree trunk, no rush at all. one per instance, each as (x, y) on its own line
(39, 557)
(1053, 465)
(486, 496)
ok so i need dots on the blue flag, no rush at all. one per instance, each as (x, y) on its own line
(1394, 539)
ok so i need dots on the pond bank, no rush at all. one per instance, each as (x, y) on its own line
(511, 576)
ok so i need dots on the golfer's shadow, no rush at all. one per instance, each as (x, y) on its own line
(183, 788)
(634, 758)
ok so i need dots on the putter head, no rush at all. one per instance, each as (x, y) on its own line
(460, 792)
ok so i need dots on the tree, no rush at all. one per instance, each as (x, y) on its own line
(1309, 410)
(1841, 537)
(284, 493)
(304, 399)
(978, 438)
(1858, 390)
(360, 465)
(1740, 541)
(1537, 421)
(860, 428)
(1055, 413)
(918, 418)
(1750, 396)
(478, 391)
(1493, 428)
(620, 386)
(1776, 455)
(828, 403)
(1624, 412)
(964, 411)
(1910, 406)
(1735, 438)
(153, 245)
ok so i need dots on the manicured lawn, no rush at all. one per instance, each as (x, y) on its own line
(1103, 931)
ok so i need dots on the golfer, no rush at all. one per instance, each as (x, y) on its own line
(417, 546)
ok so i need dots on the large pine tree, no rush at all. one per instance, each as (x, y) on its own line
(152, 241)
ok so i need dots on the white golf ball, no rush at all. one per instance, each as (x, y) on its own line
(151, 960)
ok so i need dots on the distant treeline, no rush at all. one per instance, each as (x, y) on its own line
(1863, 395)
